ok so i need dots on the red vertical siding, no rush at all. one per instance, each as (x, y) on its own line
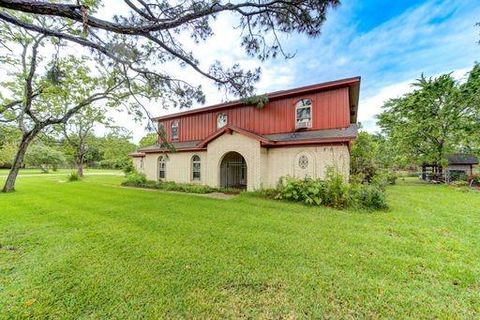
(330, 110)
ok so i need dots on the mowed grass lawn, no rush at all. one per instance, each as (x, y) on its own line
(92, 250)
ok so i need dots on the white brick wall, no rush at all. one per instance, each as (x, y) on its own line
(264, 166)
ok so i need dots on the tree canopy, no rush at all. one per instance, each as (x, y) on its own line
(153, 33)
(148, 140)
(437, 118)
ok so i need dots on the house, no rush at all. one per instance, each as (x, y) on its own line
(298, 132)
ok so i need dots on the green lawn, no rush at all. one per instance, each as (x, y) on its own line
(92, 250)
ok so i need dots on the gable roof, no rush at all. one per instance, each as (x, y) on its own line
(352, 83)
(462, 158)
(230, 129)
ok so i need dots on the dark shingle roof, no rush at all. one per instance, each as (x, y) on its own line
(462, 158)
(349, 132)
(176, 145)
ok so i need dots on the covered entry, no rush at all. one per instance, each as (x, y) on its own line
(233, 171)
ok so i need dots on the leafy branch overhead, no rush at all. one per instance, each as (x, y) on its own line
(150, 35)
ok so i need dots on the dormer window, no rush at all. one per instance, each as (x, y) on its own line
(303, 114)
(175, 130)
(221, 120)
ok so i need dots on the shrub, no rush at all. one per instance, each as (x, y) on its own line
(382, 179)
(335, 190)
(366, 196)
(128, 167)
(73, 177)
(139, 180)
(306, 190)
(459, 183)
(135, 179)
(332, 192)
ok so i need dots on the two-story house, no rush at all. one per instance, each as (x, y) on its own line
(298, 132)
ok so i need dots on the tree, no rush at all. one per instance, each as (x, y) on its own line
(427, 124)
(77, 133)
(364, 156)
(9, 135)
(149, 140)
(153, 32)
(39, 98)
(44, 157)
(115, 147)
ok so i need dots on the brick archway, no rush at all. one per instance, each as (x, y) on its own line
(233, 171)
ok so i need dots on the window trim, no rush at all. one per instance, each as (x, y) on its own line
(297, 106)
(162, 160)
(193, 162)
(176, 124)
(226, 122)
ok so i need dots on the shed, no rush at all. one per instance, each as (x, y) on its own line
(460, 165)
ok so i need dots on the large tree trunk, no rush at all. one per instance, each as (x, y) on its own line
(80, 159)
(17, 163)
(80, 168)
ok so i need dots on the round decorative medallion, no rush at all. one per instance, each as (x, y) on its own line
(303, 161)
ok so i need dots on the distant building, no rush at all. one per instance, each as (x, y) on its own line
(299, 132)
(459, 165)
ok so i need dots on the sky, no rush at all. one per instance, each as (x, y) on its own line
(388, 43)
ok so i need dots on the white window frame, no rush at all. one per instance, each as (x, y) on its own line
(226, 119)
(162, 167)
(301, 104)
(177, 127)
(199, 162)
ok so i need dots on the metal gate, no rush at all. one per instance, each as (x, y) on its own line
(233, 171)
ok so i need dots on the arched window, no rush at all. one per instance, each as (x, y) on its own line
(303, 114)
(196, 176)
(162, 167)
(175, 129)
(221, 120)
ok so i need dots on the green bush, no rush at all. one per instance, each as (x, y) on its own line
(336, 193)
(459, 183)
(135, 179)
(368, 197)
(139, 180)
(331, 192)
(306, 190)
(384, 178)
(128, 167)
(73, 177)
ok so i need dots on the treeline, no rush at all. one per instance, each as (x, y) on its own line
(52, 151)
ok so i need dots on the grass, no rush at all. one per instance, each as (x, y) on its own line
(92, 250)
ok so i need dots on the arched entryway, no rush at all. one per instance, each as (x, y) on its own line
(233, 171)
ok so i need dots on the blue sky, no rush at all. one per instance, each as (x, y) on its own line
(388, 43)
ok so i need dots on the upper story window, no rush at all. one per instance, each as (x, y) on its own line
(175, 129)
(196, 168)
(221, 120)
(303, 114)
